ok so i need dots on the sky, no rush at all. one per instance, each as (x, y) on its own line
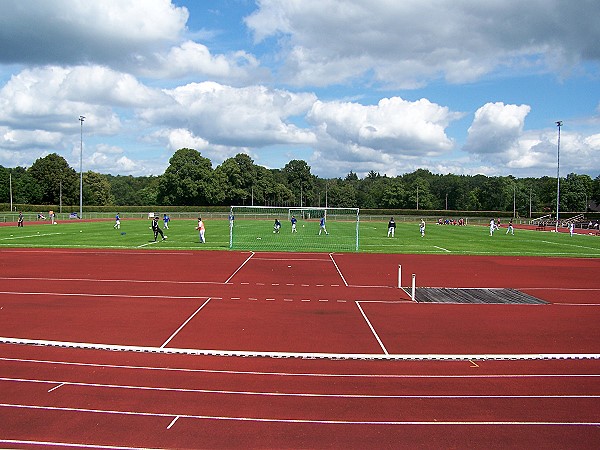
(462, 86)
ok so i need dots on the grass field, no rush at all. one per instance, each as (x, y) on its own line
(136, 234)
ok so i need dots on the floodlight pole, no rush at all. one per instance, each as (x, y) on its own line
(558, 124)
(81, 119)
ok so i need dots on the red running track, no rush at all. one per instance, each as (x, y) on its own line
(59, 396)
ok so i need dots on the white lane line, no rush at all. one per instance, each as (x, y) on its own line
(54, 388)
(113, 280)
(173, 422)
(338, 270)
(70, 445)
(239, 268)
(184, 324)
(307, 421)
(372, 329)
(82, 294)
(307, 374)
(300, 394)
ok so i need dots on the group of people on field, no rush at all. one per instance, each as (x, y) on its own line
(294, 221)
(392, 227)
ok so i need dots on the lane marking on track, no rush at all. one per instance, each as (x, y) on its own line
(172, 422)
(372, 328)
(184, 324)
(113, 280)
(301, 421)
(279, 393)
(239, 268)
(70, 445)
(338, 269)
(218, 283)
(302, 374)
(56, 387)
(81, 294)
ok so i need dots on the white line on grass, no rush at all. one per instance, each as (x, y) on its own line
(443, 249)
(569, 245)
(147, 243)
(30, 236)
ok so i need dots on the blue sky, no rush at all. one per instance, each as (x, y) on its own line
(461, 87)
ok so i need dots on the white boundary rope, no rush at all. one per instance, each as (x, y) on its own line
(299, 355)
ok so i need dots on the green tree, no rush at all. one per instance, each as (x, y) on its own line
(148, 195)
(370, 190)
(133, 191)
(575, 190)
(394, 194)
(596, 189)
(420, 190)
(237, 176)
(189, 180)
(53, 176)
(5, 182)
(299, 179)
(96, 190)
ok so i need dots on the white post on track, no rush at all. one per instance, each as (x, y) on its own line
(412, 295)
(399, 276)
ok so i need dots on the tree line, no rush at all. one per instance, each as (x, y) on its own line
(190, 179)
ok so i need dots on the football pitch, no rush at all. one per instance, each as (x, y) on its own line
(181, 235)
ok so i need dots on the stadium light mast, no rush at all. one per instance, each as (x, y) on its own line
(558, 124)
(81, 119)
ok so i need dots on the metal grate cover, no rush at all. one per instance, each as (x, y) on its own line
(474, 295)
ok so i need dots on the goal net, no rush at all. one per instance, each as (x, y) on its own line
(315, 230)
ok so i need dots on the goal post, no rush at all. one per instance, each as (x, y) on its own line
(253, 228)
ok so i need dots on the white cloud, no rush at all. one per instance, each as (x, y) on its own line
(112, 159)
(239, 117)
(497, 138)
(195, 59)
(394, 126)
(408, 43)
(496, 128)
(53, 97)
(77, 31)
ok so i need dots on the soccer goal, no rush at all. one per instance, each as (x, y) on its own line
(253, 228)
